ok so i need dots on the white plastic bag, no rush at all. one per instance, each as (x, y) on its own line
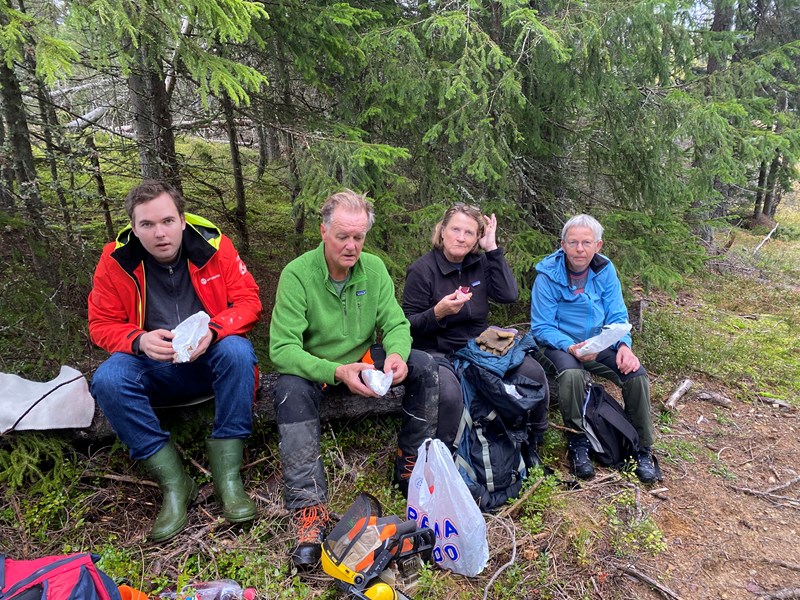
(608, 336)
(188, 335)
(438, 498)
(378, 381)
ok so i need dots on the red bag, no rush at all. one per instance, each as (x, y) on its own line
(66, 577)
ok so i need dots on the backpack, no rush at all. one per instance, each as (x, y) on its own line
(612, 435)
(67, 577)
(494, 424)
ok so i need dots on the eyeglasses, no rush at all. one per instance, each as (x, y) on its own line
(583, 244)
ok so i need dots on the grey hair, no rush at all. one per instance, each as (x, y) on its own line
(350, 201)
(583, 221)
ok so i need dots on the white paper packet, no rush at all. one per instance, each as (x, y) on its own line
(188, 335)
(609, 336)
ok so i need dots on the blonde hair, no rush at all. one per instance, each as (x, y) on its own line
(350, 201)
(473, 212)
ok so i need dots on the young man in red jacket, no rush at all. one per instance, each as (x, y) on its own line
(164, 267)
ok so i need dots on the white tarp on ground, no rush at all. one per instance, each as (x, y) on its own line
(67, 406)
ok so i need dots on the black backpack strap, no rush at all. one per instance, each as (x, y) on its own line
(2, 573)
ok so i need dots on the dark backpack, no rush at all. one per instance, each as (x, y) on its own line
(612, 435)
(492, 431)
(68, 577)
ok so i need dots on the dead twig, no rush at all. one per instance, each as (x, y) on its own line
(781, 563)
(684, 387)
(786, 594)
(764, 241)
(783, 486)
(122, 478)
(512, 510)
(512, 535)
(634, 572)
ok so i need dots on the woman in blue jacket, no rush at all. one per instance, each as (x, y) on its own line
(446, 299)
(576, 293)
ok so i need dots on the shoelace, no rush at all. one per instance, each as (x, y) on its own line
(309, 524)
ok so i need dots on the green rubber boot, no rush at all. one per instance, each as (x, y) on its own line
(178, 490)
(225, 459)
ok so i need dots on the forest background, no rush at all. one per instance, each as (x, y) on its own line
(668, 120)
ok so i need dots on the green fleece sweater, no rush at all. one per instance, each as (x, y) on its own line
(313, 331)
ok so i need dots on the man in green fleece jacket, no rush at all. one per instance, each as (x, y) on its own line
(330, 303)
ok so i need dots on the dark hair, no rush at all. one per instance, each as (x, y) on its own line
(350, 201)
(473, 212)
(149, 189)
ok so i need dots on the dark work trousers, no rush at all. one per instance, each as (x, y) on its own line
(451, 400)
(570, 375)
(297, 402)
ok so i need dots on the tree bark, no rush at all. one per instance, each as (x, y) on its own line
(7, 203)
(153, 120)
(94, 157)
(762, 180)
(240, 214)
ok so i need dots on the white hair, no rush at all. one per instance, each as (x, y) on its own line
(583, 221)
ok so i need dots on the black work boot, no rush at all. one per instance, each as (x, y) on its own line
(646, 468)
(578, 453)
(530, 452)
(309, 525)
(403, 465)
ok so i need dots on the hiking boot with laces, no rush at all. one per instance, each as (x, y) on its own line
(403, 465)
(579, 462)
(309, 525)
(646, 469)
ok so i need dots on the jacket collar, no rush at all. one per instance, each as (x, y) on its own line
(199, 243)
(555, 266)
(357, 272)
(446, 267)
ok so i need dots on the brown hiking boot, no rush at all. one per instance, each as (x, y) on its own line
(309, 525)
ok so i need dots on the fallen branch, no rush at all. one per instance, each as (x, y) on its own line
(512, 510)
(782, 595)
(764, 241)
(121, 478)
(634, 572)
(780, 563)
(783, 486)
(715, 398)
(678, 393)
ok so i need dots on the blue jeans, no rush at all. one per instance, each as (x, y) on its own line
(127, 387)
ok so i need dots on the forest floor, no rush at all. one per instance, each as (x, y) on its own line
(723, 523)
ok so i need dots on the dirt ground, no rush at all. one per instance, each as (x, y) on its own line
(730, 514)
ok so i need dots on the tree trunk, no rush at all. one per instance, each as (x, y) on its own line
(298, 211)
(240, 215)
(723, 21)
(772, 178)
(19, 144)
(7, 203)
(94, 157)
(153, 121)
(762, 179)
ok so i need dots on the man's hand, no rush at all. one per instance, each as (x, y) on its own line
(581, 357)
(348, 375)
(451, 304)
(397, 366)
(157, 344)
(202, 346)
(626, 360)
(489, 240)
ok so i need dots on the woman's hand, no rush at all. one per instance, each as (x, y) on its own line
(489, 240)
(451, 304)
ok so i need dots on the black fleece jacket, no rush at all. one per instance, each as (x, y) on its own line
(433, 277)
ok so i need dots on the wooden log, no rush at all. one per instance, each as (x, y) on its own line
(714, 398)
(337, 405)
(684, 387)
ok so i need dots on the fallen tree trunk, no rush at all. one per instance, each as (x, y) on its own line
(337, 405)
